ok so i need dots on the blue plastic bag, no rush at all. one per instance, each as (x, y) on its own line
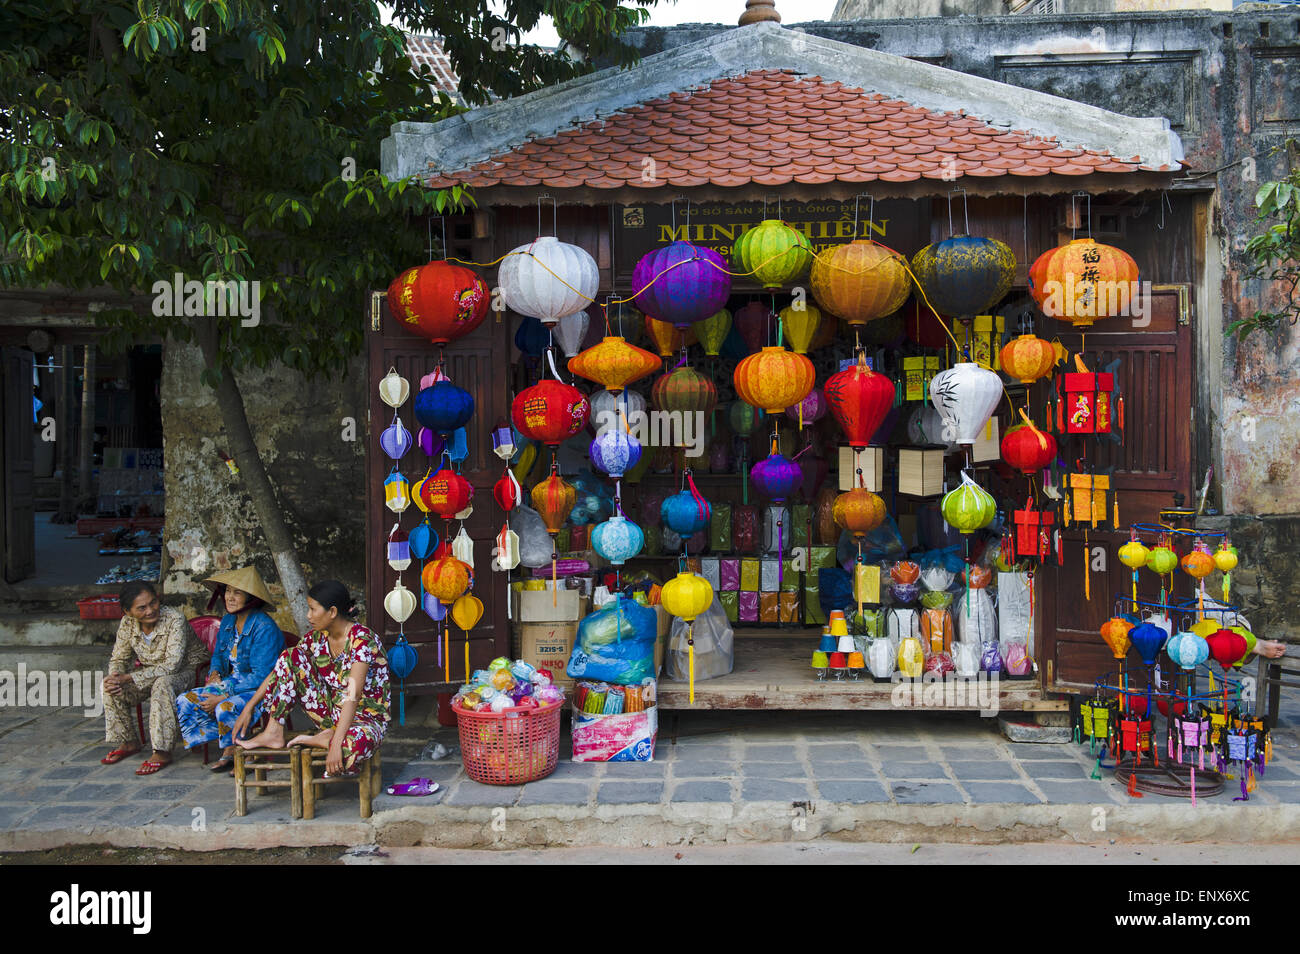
(616, 644)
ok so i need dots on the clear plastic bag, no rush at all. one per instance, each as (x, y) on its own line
(535, 547)
(714, 646)
(975, 616)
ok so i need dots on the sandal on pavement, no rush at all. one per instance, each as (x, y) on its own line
(222, 764)
(117, 755)
(149, 766)
(417, 786)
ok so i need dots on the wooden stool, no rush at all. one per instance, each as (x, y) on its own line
(263, 761)
(368, 779)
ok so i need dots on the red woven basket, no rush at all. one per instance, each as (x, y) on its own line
(100, 607)
(511, 747)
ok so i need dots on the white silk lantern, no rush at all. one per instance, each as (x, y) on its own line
(966, 395)
(400, 602)
(570, 331)
(462, 548)
(548, 279)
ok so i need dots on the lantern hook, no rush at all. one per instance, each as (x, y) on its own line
(1165, 202)
(871, 212)
(554, 214)
(1074, 215)
(687, 200)
(778, 205)
(965, 210)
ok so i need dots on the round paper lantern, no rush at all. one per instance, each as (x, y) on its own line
(614, 451)
(1226, 647)
(570, 330)
(712, 331)
(394, 389)
(1027, 358)
(965, 275)
(1225, 558)
(467, 611)
(1114, 632)
(607, 407)
(966, 395)
(548, 279)
(396, 440)
(397, 493)
(687, 595)
(858, 511)
(776, 477)
(681, 283)
(968, 507)
(860, 281)
(446, 579)
(444, 407)
(685, 514)
(613, 364)
(859, 399)
(1147, 639)
(400, 602)
(1082, 281)
(617, 540)
(773, 253)
(439, 300)
(753, 322)
(1197, 564)
(810, 409)
(774, 379)
(1028, 449)
(549, 412)
(1134, 554)
(1162, 560)
(1187, 650)
(553, 498)
(685, 390)
(446, 493)
(801, 326)
(743, 418)
(507, 493)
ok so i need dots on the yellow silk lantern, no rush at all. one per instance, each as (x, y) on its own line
(1134, 555)
(712, 331)
(686, 596)
(1027, 358)
(801, 326)
(1225, 558)
(667, 339)
(860, 281)
(446, 579)
(774, 379)
(1205, 628)
(467, 611)
(613, 363)
(911, 657)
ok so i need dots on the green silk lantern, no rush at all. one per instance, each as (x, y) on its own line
(968, 507)
(773, 252)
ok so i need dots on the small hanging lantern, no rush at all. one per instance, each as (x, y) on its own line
(446, 579)
(462, 548)
(1026, 448)
(444, 407)
(507, 492)
(1187, 650)
(858, 511)
(684, 390)
(1033, 530)
(440, 301)
(553, 498)
(686, 513)
(1147, 639)
(712, 331)
(965, 274)
(503, 440)
(467, 611)
(395, 440)
(1115, 634)
(801, 325)
(859, 399)
(617, 539)
(400, 603)
(446, 493)
(1027, 358)
(968, 507)
(394, 389)
(1083, 281)
(397, 493)
(570, 330)
(687, 596)
(614, 451)
(1161, 560)
(399, 549)
(505, 555)
(752, 322)
(966, 395)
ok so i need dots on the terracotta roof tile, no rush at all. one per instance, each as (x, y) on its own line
(772, 127)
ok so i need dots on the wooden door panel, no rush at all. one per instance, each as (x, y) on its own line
(17, 491)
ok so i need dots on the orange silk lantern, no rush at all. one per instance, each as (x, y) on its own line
(613, 363)
(774, 379)
(860, 281)
(1027, 358)
(1115, 633)
(447, 579)
(1197, 564)
(553, 498)
(1082, 281)
(858, 511)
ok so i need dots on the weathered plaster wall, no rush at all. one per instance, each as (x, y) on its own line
(319, 476)
(1266, 584)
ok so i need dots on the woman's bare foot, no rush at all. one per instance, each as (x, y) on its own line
(321, 739)
(272, 737)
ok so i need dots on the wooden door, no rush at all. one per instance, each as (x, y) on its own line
(476, 363)
(19, 498)
(1151, 466)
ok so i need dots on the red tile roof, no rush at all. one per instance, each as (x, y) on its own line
(428, 51)
(771, 127)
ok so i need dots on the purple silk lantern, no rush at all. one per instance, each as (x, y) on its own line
(813, 407)
(776, 477)
(432, 444)
(681, 283)
(434, 608)
(396, 440)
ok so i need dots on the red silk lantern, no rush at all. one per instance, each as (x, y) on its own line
(685, 390)
(440, 300)
(752, 322)
(1226, 647)
(1028, 449)
(1082, 281)
(859, 399)
(506, 492)
(613, 364)
(550, 412)
(774, 379)
(553, 498)
(446, 493)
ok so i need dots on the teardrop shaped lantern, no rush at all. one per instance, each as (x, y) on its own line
(858, 511)
(686, 390)
(1226, 647)
(440, 301)
(613, 364)
(1028, 449)
(1114, 633)
(400, 602)
(801, 326)
(395, 440)
(712, 331)
(397, 493)
(776, 477)
(507, 492)
(399, 549)
(859, 399)
(860, 281)
(685, 514)
(968, 507)
(549, 412)
(966, 395)
(1147, 639)
(1083, 281)
(965, 275)
(423, 541)
(617, 539)
(467, 611)
(431, 444)
(553, 498)
(446, 493)
(774, 379)
(1027, 358)
(444, 407)
(681, 283)
(433, 607)
(417, 494)
(773, 253)
(446, 579)
(753, 323)
(614, 451)
(394, 389)
(462, 548)
(547, 279)
(570, 330)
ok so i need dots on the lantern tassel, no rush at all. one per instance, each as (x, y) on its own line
(446, 659)
(690, 654)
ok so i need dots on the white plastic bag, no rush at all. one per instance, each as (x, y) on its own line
(714, 646)
(966, 657)
(976, 621)
(1014, 622)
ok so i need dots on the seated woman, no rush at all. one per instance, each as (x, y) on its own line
(247, 646)
(338, 673)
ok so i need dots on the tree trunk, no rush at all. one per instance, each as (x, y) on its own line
(65, 445)
(86, 448)
(243, 449)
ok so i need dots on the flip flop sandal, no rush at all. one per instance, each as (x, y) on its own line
(417, 786)
(222, 764)
(353, 774)
(117, 755)
(149, 767)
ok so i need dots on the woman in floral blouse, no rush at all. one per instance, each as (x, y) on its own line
(338, 673)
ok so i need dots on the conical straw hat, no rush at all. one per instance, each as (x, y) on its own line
(246, 579)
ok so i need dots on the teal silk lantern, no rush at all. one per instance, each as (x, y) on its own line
(965, 274)
(618, 539)
(686, 513)
(1188, 650)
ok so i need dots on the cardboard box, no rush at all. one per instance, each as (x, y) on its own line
(544, 606)
(547, 646)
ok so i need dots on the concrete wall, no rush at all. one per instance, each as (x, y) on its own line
(299, 429)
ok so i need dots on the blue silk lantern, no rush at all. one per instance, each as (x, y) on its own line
(395, 439)
(615, 451)
(443, 407)
(457, 446)
(397, 493)
(401, 663)
(399, 549)
(965, 274)
(422, 541)
(1188, 650)
(618, 539)
(776, 477)
(685, 513)
(1147, 639)
(531, 337)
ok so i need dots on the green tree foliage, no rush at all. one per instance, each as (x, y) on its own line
(1275, 254)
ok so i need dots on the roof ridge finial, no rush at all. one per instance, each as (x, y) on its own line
(759, 11)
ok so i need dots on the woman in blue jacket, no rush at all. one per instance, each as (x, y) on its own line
(248, 644)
